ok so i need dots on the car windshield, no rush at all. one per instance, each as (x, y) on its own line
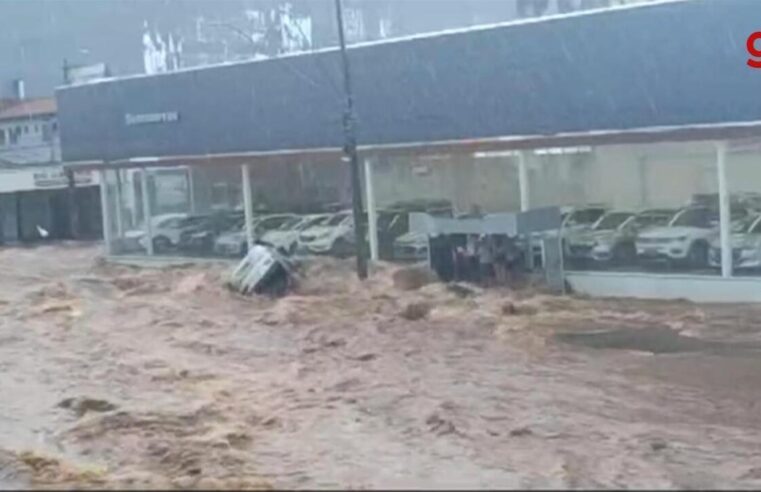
(584, 216)
(192, 221)
(611, 221)
(273, 223)
(316, 221)
(652, 220)
(289, 224)
(696, 217)
(744, 225)
(337, 219)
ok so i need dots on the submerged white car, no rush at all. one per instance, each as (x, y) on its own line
(684, 240)
(746, 245)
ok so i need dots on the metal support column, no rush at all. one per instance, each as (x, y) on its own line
(724, 210)
(105, 208)
(372, 216)
(147, 210)
(191, 190)
(248, 204)
(119, 205)
(523, 182)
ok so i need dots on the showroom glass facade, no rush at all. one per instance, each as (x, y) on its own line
(651, 207)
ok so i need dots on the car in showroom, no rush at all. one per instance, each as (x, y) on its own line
(746, 245)
(335, 236)
(198, 238)
(166, 230)
(234, 242)
(135, 239)
(611, 240)
(683, 241)
(411, 246)
(285, 238)
(573, 220)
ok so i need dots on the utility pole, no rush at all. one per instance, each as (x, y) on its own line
(350, 151)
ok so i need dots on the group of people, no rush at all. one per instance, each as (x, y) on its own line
(486, 259)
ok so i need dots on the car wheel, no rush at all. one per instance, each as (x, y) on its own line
(697, 256)
(161, 244)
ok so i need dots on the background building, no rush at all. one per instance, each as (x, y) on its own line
(35, 199)
(39, 38)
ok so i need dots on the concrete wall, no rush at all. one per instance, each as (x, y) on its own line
(655, 286)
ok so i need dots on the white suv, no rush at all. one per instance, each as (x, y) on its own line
(684, 240)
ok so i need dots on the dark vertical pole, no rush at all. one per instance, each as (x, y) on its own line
(350, 149)
(72, 204)
(65, 72)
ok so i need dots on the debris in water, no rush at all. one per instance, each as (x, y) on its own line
(80, 406)
(658, 445)
(415, 311)
(412, 278)
(521, 432)
(463, 290)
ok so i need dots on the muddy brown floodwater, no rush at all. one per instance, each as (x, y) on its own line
(113, 376)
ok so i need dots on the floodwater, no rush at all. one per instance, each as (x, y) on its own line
(114, 376)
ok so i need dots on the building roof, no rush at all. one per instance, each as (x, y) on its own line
(27, 108)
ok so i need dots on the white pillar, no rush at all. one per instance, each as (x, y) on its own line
(119, 205)
(191, 190)
(248, 204)
(523, 182)
(372, 218)
(105, 208)
(724, 211)
(147, 210)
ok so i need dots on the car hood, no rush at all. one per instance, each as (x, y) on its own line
(672, 232)
(232, 237)
(277, 236)
(411, 238)
(739, 240)
(319, 231)
(590, 236)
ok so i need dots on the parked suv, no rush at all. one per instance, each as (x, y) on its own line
(683, 240)
(573, 220)
(612, 238)
(746, 245)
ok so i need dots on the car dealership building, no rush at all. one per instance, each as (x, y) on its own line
(639, 110)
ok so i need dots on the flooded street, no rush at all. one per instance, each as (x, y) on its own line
(114, 376)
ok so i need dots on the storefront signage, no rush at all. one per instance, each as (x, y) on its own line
(151, 118)
(58, 179)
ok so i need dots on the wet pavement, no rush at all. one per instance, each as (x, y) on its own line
(118, 377)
